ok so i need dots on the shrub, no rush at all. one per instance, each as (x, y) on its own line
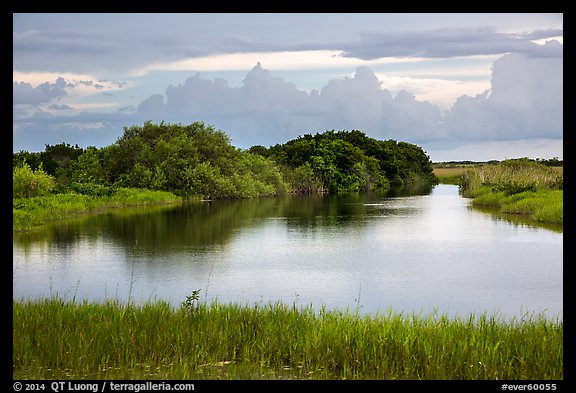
(27, 183)
(91, 189)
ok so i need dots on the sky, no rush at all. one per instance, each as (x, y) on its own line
(461, 86)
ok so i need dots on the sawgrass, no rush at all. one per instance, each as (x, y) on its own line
(57, 339)
(519, 187)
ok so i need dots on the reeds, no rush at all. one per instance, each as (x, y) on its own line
(55, 339)
(517, 186)
(511, 177)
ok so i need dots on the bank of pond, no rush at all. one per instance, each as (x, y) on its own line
(519, 190)
(30, 214)
(57, 339)
(60, 339)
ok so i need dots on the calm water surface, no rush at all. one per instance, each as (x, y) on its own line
(366, 253)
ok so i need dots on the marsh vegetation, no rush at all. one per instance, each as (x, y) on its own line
(519, 186)
(56, 338)
(53, 339)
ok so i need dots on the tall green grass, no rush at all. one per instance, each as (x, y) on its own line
(54, 339)
(511, 177)
(517, 186)
(30, 213)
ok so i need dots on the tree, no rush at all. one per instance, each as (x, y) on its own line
(55, 158)
(193, 159)
(352, 161)
(23, 156)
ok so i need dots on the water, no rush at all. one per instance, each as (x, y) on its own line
(364, 253)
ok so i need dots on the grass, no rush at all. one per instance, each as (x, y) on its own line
(518, 187)
(55, 339)
(454, 174)
(30, 213)
(449, 175)
(511, 177)
(546, 206)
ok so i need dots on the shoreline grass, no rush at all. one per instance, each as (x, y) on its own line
(55, 339)
(544, 206)
(31, 213)
(518, 187)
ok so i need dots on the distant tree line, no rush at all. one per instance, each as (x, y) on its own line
(548, 162)
(198, 160)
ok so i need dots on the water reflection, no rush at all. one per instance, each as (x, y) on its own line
(366, 251)
(517, 219)
(167, 229)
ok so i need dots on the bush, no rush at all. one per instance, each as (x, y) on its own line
(27, 183)
(91, 189)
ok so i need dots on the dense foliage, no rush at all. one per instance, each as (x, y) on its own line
(28, 183)
(197, 160)
(348, 161)
(187, 160)
(191, 160)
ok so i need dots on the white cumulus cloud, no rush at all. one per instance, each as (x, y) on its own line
(524, 101)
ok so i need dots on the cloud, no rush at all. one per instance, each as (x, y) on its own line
(442, 92)
(268, 110)
(541, 33)
(275, 60)
(498, 150)
(524, 102)
(32, 93)
(37, 87)
(81, 50)
(61, 41)
(264, 108)
(450, 42)
(233, 53)
(117, 43)
(24, 93)
(59, 107)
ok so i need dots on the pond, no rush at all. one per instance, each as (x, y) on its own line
(365, 253)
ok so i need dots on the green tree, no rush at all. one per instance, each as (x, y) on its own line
(55, 158)
(259, 150)
(88, 167)
(303, 180)
(193, 159)
(351, 161)
(23, 156)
